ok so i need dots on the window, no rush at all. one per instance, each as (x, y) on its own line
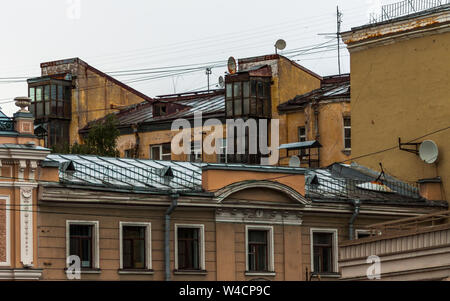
(135, 246)
(249, 97)
(189, 247)
(222, 150)
(196, 151)
(160, 109)
(82, 240)
(259, 245)
(301, 138)
(129, 153)
(324, 251)
(161, 152)
(347, 133)
(362, 233)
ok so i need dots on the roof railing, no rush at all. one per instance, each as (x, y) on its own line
(404, 8)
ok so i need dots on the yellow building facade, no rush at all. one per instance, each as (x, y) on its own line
(401, 93)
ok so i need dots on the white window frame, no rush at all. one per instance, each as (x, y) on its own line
(7, 262)
(344, 128)
(95, 240)
(161, 154)
(201, 228)
(362, 231)
(335, 246)
(270, 246)
(148, 241)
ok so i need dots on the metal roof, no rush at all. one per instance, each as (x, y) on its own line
(332, 87)
(345, 182)
(133, 174)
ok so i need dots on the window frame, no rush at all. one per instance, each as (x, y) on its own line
(95, 241)
(222, 148)
(201, 240)
(148, 243)
(344, 127)
(335, 248)
(161, 154)
(270, 250)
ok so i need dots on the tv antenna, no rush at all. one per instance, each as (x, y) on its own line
(338, 35)
(280, 45)
(208, 73)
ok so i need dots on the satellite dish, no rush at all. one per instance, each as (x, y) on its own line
(232, 65)
(280, 44)
(428, 151)
(221, 82)
(294, 161)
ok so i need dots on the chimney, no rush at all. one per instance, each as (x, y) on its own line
(431, 189)
(24, 120)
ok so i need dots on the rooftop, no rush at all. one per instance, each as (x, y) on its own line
(335, 87)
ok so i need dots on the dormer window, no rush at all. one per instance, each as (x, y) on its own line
(160, 109)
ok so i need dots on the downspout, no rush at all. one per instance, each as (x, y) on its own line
(356, 206)
(169, 211)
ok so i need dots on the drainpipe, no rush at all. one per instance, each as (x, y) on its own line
(169, 211)
(356, 206)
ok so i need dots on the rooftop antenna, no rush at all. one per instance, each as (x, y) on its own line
(338, 34)
(280, 45)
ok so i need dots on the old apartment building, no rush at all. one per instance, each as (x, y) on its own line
(313, 114)
(401, 97)
(400, 94)
(136, 219)
(69, 94)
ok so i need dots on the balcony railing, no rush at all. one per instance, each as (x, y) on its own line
(6, 125)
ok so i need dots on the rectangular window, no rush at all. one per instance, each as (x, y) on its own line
(362, 234)
(82, 241)
(301, 138)
(161, 152)
(133, 247)
(347, 133)
(32, 94)
(259, 241)
(324, 251)
(189, 247)
(257, 250)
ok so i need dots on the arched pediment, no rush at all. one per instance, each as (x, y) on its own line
(233, 189)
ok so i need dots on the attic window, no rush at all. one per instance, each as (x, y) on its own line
(160, 109)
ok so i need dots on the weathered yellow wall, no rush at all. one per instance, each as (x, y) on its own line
(93, 98)
(291, 81)
(402, 90)
(331, 131)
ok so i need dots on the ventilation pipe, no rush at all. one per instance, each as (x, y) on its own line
(356, 206)
(169, 211)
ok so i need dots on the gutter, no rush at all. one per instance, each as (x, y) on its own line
(169, 211)
(356, 207)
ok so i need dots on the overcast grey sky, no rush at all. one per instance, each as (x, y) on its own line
(117, 35)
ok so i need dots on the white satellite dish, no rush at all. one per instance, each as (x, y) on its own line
(221, 82)
(280, 44)
(428, 151)
(294, 161)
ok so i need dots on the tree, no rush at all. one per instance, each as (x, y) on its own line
(101, 140)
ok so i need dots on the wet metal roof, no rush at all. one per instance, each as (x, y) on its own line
(133, 174)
